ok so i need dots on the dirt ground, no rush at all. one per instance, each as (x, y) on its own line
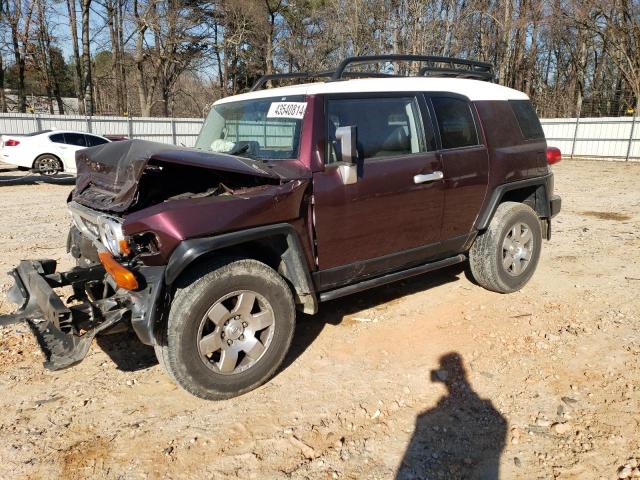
(431, 378)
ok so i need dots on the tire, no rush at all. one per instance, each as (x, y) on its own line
(47, 165)
(228, 330)
(504, 257)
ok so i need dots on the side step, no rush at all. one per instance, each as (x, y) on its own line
(390, 278)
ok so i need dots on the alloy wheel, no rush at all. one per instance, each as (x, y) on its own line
(236, 332)
(517, 249)
(48, 166)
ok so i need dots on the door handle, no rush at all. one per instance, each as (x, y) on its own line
(428, 177)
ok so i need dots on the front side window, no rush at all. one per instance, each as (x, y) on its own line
(266, 128)
(76, 139)
(455, 121)
(387, 127)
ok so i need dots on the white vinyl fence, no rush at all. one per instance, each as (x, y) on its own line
(178, 131)
(607, 137)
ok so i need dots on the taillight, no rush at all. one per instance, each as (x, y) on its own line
(11, 143)
(553, 155)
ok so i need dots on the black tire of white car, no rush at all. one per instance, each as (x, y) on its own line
(207, 297)
(47, 165)
(505, 256)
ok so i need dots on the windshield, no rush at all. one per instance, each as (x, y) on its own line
(266, 128)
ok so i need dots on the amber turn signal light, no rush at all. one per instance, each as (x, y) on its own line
(124, 247)
(123, 277)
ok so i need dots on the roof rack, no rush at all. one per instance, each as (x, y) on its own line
(449, 66)
(309, 75)
(436, 67)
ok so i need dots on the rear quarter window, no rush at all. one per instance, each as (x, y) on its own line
(455, 121)
(527, 119)
(93, 141)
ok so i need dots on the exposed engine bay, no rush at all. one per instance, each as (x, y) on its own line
(131, 175)
(162, 181)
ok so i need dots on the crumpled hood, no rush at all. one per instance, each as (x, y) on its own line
(108, 174)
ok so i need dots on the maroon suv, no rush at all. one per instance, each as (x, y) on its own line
(291, 197)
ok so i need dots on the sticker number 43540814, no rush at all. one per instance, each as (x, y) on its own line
(287, 110)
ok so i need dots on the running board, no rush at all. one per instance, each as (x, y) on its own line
(390, 278)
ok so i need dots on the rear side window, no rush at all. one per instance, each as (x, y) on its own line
(387, 127)
(93, 141)
(76, 139)
(457, 128)
(57, 138)
(527, 119)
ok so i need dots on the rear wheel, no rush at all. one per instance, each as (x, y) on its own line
(505, 256)
(228, 330)
(47, 165)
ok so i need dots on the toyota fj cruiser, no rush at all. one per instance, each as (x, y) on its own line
(291, 197)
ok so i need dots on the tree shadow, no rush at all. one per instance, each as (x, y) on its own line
(308, 327)
(461, 437)
(127, 351)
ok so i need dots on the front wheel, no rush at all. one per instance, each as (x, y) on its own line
(505, 256)
(228, 330)
(47, 165)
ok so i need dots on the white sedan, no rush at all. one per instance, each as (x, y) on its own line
(48, 152)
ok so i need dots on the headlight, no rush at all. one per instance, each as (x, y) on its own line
(111, 234)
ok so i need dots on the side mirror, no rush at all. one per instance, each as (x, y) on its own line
(348, 138)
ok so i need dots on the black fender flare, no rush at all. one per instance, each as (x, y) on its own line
(544, 194)
(295, 268)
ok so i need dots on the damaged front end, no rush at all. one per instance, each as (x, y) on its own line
(65, 331)
(106, 289)
(134, 203)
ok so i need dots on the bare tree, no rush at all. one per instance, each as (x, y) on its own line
(571, 57)
(168, 41)
(44, 56)
(87, 84)
(115, 21)
(18, 14)
(77, 77)
(3, 99)
(619, 30)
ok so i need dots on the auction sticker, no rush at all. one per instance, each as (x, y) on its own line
(287, 110)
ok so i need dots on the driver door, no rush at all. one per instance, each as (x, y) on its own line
(391, 216)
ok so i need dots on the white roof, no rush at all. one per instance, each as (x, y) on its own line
(474, 90)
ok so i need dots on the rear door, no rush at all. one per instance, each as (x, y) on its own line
(74, 142)
(389, 217)
(63, 151)
(465, 165)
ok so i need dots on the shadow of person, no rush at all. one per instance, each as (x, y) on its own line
(462, 437)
